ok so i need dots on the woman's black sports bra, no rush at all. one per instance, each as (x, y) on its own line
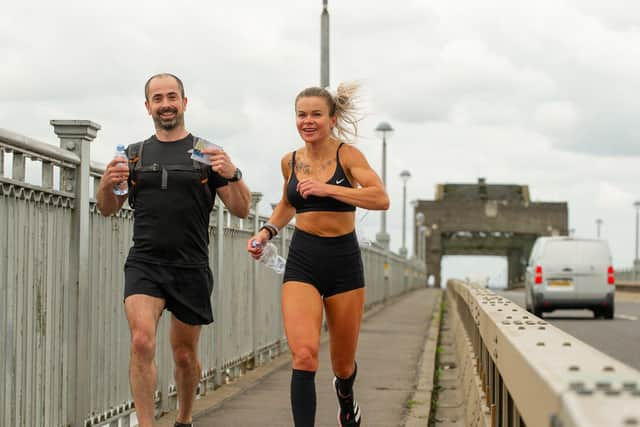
(316, 203)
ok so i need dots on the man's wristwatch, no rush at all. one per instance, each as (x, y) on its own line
(237, 176)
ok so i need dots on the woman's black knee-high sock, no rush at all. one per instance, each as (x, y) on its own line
(303, 398)
(345, 385)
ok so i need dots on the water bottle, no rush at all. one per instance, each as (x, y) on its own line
(122, 188)
(270, 257)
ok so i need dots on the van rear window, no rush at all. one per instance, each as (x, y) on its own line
(576, 252)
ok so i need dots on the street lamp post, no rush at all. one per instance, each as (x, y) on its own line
(404, 175)
(423, 249)
(419, 220)
(384, 130)
(324, 45)
(636, 261)
(598, 225)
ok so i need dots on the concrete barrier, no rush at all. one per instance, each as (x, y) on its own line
(520, 370)
(628, 286)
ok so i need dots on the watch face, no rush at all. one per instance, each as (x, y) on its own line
(237, 176)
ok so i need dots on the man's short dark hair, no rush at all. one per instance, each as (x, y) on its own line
(146, 85)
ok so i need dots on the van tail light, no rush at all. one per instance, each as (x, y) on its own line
(611, 277)
(538, 277)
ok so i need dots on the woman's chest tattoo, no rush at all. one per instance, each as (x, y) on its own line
(306, 169)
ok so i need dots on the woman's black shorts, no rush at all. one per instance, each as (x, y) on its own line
(332, 264)
(186, 291)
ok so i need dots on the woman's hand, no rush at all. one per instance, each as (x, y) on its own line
(255, 244)
(311, 187)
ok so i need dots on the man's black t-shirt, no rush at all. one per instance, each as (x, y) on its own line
(171, 216)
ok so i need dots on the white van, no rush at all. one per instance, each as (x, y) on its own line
(567, 272)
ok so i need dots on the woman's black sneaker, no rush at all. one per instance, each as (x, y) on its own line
(348, 411)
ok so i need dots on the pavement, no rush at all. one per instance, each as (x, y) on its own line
(394, 382)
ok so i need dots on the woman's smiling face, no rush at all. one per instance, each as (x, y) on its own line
(313, 120)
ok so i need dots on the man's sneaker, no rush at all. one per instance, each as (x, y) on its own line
(348, 410)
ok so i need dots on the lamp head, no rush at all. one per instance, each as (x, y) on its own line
(384, 130)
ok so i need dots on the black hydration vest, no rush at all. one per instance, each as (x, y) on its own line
(134, 156)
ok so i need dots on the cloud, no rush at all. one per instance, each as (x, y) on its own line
(611, 196)
(553, 68)
(555, 116)
(621, 15)
(467, 82)
(536, 93)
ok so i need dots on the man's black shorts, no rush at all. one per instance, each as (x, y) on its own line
(187, 291)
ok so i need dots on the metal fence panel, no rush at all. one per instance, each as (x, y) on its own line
(110, 238)
(33, 244)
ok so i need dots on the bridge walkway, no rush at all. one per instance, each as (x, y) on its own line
(390, 350)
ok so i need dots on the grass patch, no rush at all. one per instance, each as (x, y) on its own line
(437, 372)
(411, 403)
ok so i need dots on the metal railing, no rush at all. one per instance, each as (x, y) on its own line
(65, 351)
(627, 275)
(522, 371)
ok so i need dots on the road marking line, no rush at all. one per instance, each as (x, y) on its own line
(626, 317)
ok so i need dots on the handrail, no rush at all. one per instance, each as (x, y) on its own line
(37, 149)
(552, 378)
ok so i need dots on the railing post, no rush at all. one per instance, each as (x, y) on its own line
(218, 305)
(387, 274)
(283, 240)
(234, 221)
(255, 199)
(75, 136)
(284, 251)
(18, 172)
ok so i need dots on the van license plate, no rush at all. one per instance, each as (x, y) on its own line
(559, 282)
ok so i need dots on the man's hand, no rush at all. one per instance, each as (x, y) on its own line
(235, 196)
(116, 171)
(220, 162)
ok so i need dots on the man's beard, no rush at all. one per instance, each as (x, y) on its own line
(168, 124)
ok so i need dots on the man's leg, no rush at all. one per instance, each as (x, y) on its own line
(143, 313)
(184, 343)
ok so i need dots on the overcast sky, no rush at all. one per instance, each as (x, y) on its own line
(541, 93)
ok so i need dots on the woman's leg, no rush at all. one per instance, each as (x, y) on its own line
(302, 317)
(344, 314)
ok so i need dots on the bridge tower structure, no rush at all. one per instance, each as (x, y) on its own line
(484, 219)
